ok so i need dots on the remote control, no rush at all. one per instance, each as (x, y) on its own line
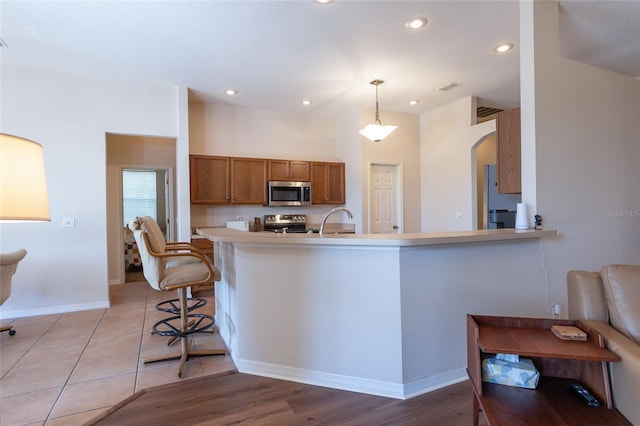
(586, 395)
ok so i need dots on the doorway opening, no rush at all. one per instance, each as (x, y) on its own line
(385, 198)
(145, 192)
(149, 160)
(493, 210)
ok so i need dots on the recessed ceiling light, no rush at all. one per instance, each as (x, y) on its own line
(416, 23)
(306, 102)
(323, 1)
(231, 92)
(414, 102)
(503, 47)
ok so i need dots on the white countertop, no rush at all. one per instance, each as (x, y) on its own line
(372, 240)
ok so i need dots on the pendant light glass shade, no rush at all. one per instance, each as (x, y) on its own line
(377, 132)
(23, 189)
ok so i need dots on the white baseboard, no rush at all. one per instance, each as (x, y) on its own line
(350, 383)
(431, 383)
(21, 313)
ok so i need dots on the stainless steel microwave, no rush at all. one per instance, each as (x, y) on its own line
(282, 193)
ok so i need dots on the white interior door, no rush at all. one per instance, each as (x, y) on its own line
(384, 196)
(168, 205)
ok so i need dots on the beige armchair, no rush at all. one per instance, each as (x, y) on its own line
(164, 275)
(8, 266)
(609, 302)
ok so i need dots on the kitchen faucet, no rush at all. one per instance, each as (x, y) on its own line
(332, 211)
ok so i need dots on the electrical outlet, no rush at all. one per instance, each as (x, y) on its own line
(557, 310)
(459, 216)
(69, 222)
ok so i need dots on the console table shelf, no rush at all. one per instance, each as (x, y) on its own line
(559, 363)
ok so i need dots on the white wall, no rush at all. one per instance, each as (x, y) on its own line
(447, 165)
(402, 147)
(581, 150)
(66, 268)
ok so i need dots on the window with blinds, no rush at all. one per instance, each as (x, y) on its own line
(139, 195)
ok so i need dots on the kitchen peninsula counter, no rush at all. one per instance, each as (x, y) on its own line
(372, 240)
(372, 313)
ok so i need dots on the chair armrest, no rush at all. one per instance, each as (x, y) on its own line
(183, 253)
(586, 296)
(167, 245)
(182, 246)
(625, 375)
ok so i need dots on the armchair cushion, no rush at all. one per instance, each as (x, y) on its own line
(190, 272)
(586, 296)
(154, 234)
(622, 292)
(8, 266)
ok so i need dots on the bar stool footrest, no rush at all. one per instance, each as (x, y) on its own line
(172, 306)
(201, 323)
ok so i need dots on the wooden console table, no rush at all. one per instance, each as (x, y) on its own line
(559, 363)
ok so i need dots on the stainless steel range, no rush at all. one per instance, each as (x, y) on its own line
(294, 223)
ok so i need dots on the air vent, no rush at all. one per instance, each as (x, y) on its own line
(486, 111)
(449, 86)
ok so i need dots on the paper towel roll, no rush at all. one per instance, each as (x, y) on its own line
(522, 218)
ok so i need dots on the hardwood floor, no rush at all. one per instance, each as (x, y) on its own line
(236, 398)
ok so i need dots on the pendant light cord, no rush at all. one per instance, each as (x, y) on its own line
(377, 111)
(377, 83)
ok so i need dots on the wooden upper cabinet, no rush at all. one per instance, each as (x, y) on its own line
(508, 167)
(327, 183)
(286, 170)
(209, 178)
(248, 181)
(236, 180)
(300, 171)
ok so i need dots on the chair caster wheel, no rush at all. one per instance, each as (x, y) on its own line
(12, 332)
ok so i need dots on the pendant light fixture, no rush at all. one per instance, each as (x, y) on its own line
(377, 132)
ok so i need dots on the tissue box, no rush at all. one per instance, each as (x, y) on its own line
(522, 374)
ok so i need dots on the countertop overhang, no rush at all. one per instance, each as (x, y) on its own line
(219, 234)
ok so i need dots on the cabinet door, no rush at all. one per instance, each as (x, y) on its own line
(508, 168)
(209, 178)
(335, 183)
(319, 193)
(285, 170)
(327, 183)
(299, 171)
(279, 170)
(248, 181)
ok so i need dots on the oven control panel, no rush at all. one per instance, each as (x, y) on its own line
(285, 219)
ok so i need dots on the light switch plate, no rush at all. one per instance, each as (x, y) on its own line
(69, 222)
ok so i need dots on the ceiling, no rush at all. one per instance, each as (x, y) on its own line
(276, 53)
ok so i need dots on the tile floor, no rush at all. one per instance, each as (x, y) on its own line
(66, 369)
